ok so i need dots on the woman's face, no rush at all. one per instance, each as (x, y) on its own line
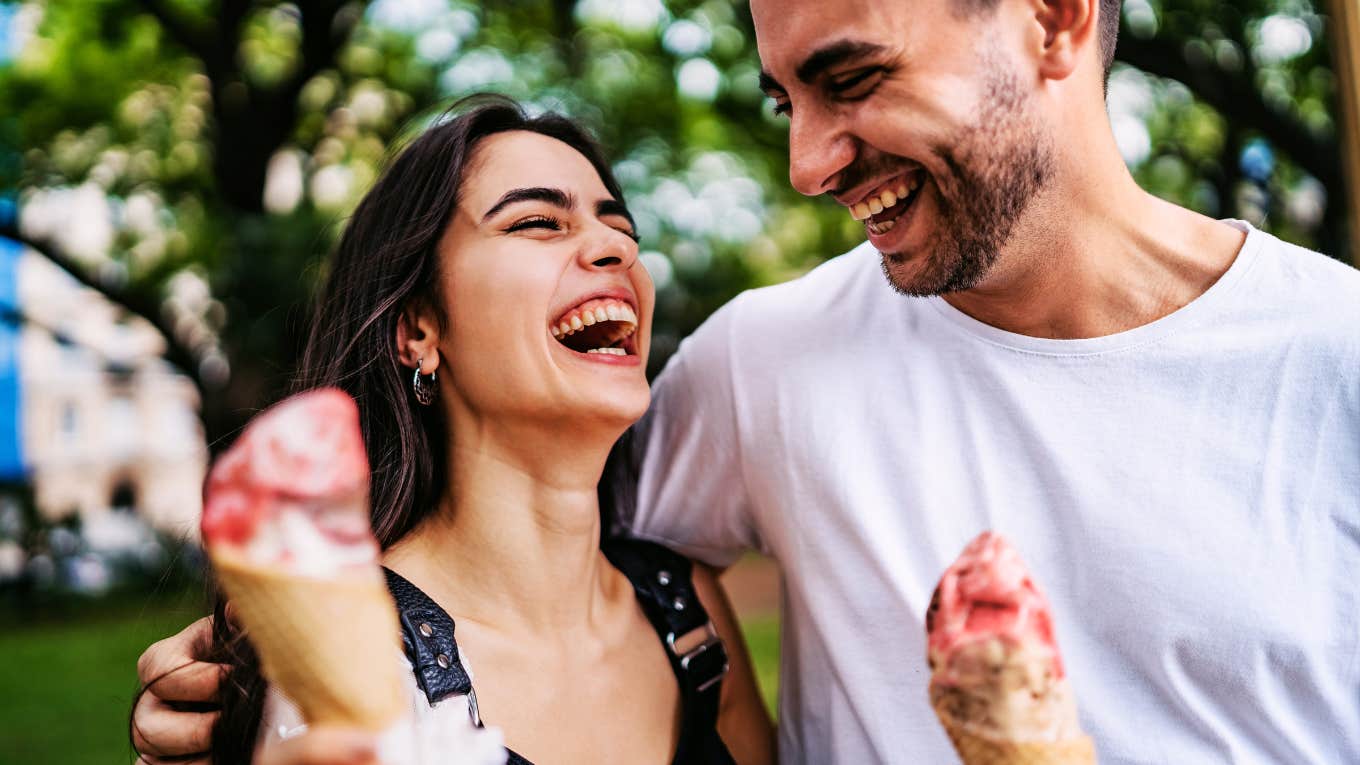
(549, 311)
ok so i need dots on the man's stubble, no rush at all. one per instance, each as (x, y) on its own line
(996, 167)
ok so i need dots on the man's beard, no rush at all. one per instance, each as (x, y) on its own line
(996, 168)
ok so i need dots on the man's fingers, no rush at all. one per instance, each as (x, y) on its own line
(196, 682)
(158, 730)
(323, 746)
(232, 616)
(174, 651)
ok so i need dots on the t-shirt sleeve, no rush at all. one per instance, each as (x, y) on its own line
(679, 478)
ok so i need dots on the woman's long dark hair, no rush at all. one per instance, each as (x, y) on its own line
(386, 261)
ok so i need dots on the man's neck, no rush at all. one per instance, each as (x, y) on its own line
(1095, 254)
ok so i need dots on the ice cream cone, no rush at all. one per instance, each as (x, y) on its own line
(325, 643)
(998, 684)
(977, 749)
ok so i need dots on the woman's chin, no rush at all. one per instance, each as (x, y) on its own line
(628, 408)
(615, 409)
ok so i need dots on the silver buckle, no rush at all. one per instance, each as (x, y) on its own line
(693, 644)
(473, 711)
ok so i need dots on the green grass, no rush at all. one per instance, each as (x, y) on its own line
(66, 684)
(762, 637)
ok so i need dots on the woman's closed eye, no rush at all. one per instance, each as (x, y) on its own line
(537, 221)
(549, 223)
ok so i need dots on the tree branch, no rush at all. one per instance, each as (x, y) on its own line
(564, 34)
(180, 30)
(324, 32)
(1237, 99)
(179, 355)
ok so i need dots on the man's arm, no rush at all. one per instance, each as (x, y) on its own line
(743, 722)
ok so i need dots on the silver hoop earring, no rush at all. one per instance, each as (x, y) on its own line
(424, 389)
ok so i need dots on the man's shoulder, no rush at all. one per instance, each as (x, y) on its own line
(833, 299)
(1304, 285)
(855, 271)
(1304, 299)
(836, 296)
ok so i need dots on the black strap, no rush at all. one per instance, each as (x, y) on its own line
(427, 637)
(662, 580)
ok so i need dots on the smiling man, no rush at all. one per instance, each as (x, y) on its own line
(1160, 409)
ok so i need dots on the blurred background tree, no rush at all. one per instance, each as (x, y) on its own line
(195, 159)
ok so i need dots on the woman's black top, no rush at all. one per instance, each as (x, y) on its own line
(661, 580)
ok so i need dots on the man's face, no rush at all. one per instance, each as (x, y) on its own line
(913, 116)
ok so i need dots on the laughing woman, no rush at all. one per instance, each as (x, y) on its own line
(486, 309)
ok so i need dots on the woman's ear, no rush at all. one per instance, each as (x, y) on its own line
(418, 337)
(1069, 29)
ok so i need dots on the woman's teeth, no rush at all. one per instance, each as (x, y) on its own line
(595, 312)
(885, 199)
(597, 326)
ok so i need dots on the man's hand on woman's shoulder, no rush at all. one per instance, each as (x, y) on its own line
(174, 716)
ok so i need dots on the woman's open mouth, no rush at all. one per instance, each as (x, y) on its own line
(601, 326)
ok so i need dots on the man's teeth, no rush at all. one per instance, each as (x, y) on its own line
(885, 199)
(609, 351)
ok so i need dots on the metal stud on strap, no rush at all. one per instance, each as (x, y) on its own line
(694, 644)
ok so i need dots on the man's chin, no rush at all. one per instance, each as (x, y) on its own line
(915, 274)
(955, 266)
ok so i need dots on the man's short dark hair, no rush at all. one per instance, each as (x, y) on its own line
(1109, 25)
(1109, 31)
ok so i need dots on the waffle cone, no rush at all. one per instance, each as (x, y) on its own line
(975, 749)
(324, 642)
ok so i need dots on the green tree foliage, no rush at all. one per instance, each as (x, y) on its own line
(225, 141)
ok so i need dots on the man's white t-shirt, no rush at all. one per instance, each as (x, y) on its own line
(1187, 493)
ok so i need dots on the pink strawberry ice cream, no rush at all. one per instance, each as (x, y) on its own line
(292, 492)
(995, 663)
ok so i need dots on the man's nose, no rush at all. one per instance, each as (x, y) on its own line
(818, 151)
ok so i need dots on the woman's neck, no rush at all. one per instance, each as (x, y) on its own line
(515, 543)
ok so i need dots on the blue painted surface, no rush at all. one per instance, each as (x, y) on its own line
(11, 393)
(6, 32)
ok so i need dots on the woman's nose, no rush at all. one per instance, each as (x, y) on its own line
(612, 250)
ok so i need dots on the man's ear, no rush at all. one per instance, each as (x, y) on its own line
(1069, 29)
(418, 337)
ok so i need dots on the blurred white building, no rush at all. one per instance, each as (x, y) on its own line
(98, 419)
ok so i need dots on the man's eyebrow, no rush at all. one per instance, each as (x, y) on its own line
(769, 83)
(832, 54)
(554, 197)
(613, 207)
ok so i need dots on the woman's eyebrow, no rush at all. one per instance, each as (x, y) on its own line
(554, 197)
(613, 207)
